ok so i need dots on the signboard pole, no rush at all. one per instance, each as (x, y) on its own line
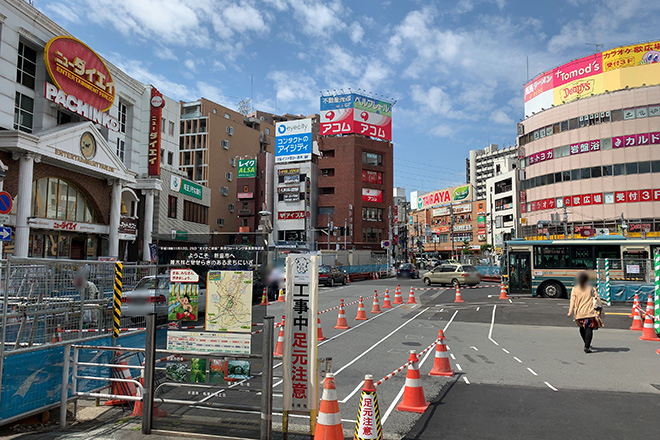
(267, 380)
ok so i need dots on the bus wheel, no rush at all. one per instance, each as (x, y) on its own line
(551, 289)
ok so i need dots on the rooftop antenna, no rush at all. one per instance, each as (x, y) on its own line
(596, 46)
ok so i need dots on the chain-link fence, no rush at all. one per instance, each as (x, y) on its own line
(621, 279)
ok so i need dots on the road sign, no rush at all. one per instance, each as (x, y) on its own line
(5, 202)
(183, 276)
(4, 218)
(385, 244)
(5, 234)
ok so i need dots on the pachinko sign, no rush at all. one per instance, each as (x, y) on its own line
(82, 82)
(352, 113)
(445, 196)
(594, 74)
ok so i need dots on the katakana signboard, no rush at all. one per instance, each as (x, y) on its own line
(359, 114)
(293, 141)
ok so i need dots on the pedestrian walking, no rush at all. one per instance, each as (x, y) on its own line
(586, 307)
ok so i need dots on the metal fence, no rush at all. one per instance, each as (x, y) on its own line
(621, 279)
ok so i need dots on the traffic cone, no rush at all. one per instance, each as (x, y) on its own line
(637, 323)
(368, 423)
(319, 331)
(398, 299)
(279, 348)
(411, 297)
(57, 337)
(341, 317)
(361, 314)
(375, 307)
(348, 279)
(459, 298)
(328, 423)
(635, 306)
(413, 394)
(264, 298)
(503, 291)
(121, 388)
(441, 366)
(280, 298)
(649, 333)
(387, 304)
(137, 408)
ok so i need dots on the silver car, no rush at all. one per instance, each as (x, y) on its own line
(151, 294)
(453, 274)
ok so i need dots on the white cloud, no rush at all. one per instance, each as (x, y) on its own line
(217, 65)
(442, 130)
(500, 117)
(165, 53)
(63, 10)
(295, 88)
(238, 18)
(318, 18)
(190, 64)
(356, 32)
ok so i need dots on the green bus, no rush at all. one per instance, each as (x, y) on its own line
(548, 268)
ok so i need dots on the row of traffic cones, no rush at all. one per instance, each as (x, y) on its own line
(647, 329)
(264, 297)
(279, 347)
(368, 425)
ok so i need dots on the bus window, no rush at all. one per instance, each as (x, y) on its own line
(552, 257)
(611, 252)
(582, 257)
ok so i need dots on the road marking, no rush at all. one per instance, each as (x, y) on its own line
(506, 351)
(379, 342)
(458, 366)
(398, 396)
(465, 379)
(532, 371)
(357, 388)
(360, 324)
(474, 348)
(616, 313)
(517, 359)
(277, 383)
(478, 308)
(492, 324)
(452, 356)
(550, 386)
(510, 301)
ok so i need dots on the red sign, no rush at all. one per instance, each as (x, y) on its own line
(247, 195)
(155, 121)
(78, 70)
(372, 195)
(6, 202)
(541, 156)
(291, 215)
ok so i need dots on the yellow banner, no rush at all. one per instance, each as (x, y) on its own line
(629, 56)
(580, 88)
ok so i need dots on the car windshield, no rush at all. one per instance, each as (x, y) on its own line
(469, 268)
(406, 266)
(324, 269)
(150, 283)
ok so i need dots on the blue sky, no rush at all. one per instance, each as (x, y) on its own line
(456, 68)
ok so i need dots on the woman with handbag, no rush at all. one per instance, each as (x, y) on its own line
(587, 307)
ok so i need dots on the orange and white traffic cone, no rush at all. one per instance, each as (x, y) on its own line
(57, 337)
(361, 314)
(375, 307)
(279, 348)
(503, 294)
(411, 297)
(121, 388)
(634, 307)
(441, 366)
(137, 409)
(398, 299)
(328, 423)
(637, 323)
(264, 298)
(348, 279)
(368, 422)
(413, 393)
(341, 317)
(319, 331)
(649, 333)
(280, 298)
(459, 298)
(387, 304)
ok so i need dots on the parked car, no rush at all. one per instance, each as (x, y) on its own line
(330, 275)
(407, 270)
(453, 274)
(151, 294)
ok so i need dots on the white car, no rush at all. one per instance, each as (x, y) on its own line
(151, 294)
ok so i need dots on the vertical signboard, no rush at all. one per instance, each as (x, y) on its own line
(300, 346)
(293, 141)
(157, 103)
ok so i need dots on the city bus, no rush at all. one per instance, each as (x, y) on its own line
(548, 268)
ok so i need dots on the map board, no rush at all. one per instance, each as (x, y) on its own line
(229, 301)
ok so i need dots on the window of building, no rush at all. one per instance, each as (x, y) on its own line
(220, 222)
(575, 174)
(194, 212)
(171, 206)
(227, 115)
(628, 113)
(327, 172)
(631, 168)
(326, 190)
(171, 130)
(563, 126)
(607, 170)
(617, 115)
(232, 162)
(644, 167)
(328, 153)
(619, 169)
(163, 124)
(26, 66)
(121, 148)
(244, 222)
(59, 199)
(372, 159)
(231, 207)
(372, 235)
(230, 130)
(596, 171)
(229, 175)
(23, 113)
(326, 210)
(566, 176)
(224, 190)
(123, 116)
(225, 144)
(170, 158)
(372, 214)
(585, 173)
(655, 166)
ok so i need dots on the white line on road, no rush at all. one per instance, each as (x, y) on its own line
(277, 383)
(458, 367)
(465, 379)
(474, 348)
(510, 301)
(492, 324)
(452, 356)
(517, 359)
(478, 308)
(379, 342)
(360, 324)
(357, 388)
(506, 351)
(532, 371)
(450, 321)
(550, 386)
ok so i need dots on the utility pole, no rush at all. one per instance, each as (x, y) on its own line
(565, 223)
(389, 248)
(345, 232)
(451, 228)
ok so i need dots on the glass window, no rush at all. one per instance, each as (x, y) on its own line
(567, 176)
(71, 204)
(631, 168)
(619, 169)
(565, 150)
(372, 158)
(641, 112)
(171, 206)
(617, 115)
(557, 177)
(608, 197)
(628, 113)
(23, 112)
(26, 66)
(644, 167)
(559, 202)
(573, 123)
(654, 110)
(121, 149)
(585, 173)
(582, 257)
(552, 257)
(606, 144)
(655, 166)
(596, 171)
(564, 126)
(607, 170)
(575, 174)
(58, 199)
(550, 179)
(123, 115)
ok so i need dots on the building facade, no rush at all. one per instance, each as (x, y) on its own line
(400, 221)
(254, 191)
(484, 164)
(503, 208)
